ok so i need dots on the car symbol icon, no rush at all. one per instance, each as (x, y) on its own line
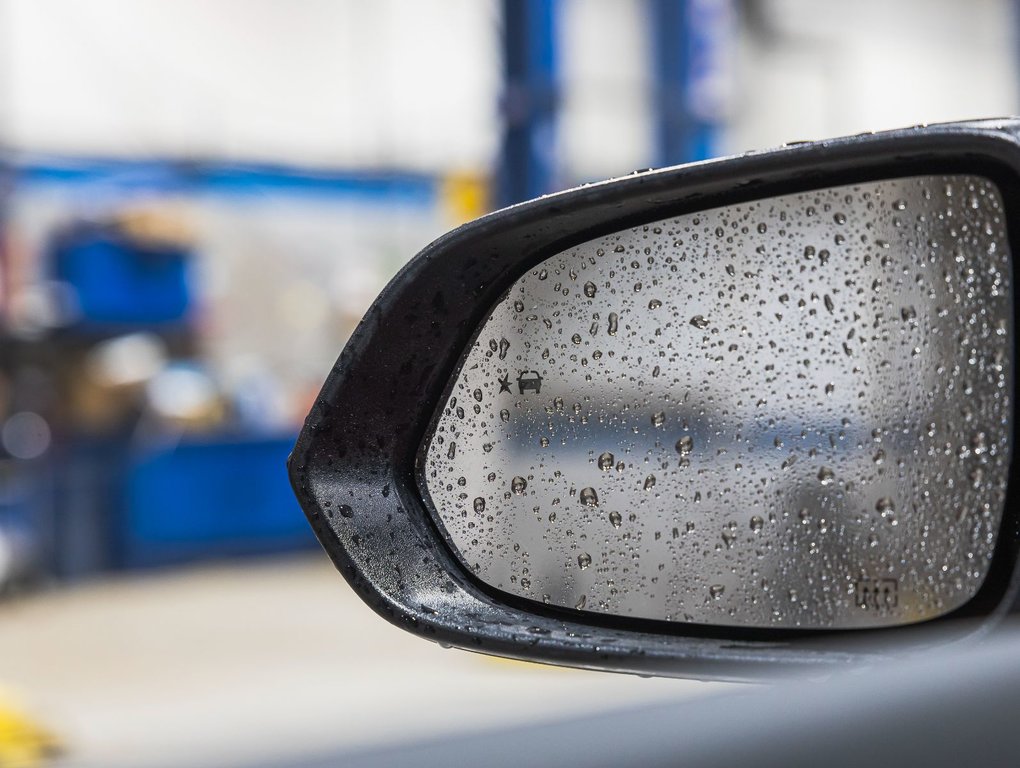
(529, 380)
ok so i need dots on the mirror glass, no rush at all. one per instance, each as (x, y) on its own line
(791, 412)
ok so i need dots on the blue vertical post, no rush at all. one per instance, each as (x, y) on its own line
(686, 38)
(527, 166)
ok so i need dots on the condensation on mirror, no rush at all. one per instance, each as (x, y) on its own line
(785, 413)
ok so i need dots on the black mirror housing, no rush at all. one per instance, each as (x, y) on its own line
(354, 466)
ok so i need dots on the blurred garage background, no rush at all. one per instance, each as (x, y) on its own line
(198, 201)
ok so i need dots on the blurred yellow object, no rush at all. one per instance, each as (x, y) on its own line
(24, 743)
(465, 197)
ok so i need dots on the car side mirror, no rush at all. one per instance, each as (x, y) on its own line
(711, 420)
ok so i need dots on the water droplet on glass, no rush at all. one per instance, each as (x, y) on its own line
(887, 509)
(590, 289)
(606, 461)
(616, 519)
(654, 304)
(826, 476)
(588, 497)
(699, 322)
(504, 415)
(658, 418)
(614, 320)
(649, 482)
(477, 395)
(583, 560)
(518, 485)
(716, 591)
(479, 505)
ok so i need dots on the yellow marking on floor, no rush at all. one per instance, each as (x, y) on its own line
(24, 742)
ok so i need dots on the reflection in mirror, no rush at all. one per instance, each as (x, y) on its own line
(792, 412)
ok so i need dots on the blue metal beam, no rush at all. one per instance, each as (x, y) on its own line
(527, 166)
(133, 175)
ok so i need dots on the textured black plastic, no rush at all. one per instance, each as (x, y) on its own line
(353, 468)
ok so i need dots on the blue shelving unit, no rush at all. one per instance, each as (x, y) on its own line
(119, 284)
(98, 502)
(218, 496)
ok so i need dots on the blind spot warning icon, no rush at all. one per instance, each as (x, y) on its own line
(529, 381)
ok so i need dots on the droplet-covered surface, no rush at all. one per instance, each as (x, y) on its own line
(790, 413)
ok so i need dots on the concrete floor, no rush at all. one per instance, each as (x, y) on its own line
(260, 663)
